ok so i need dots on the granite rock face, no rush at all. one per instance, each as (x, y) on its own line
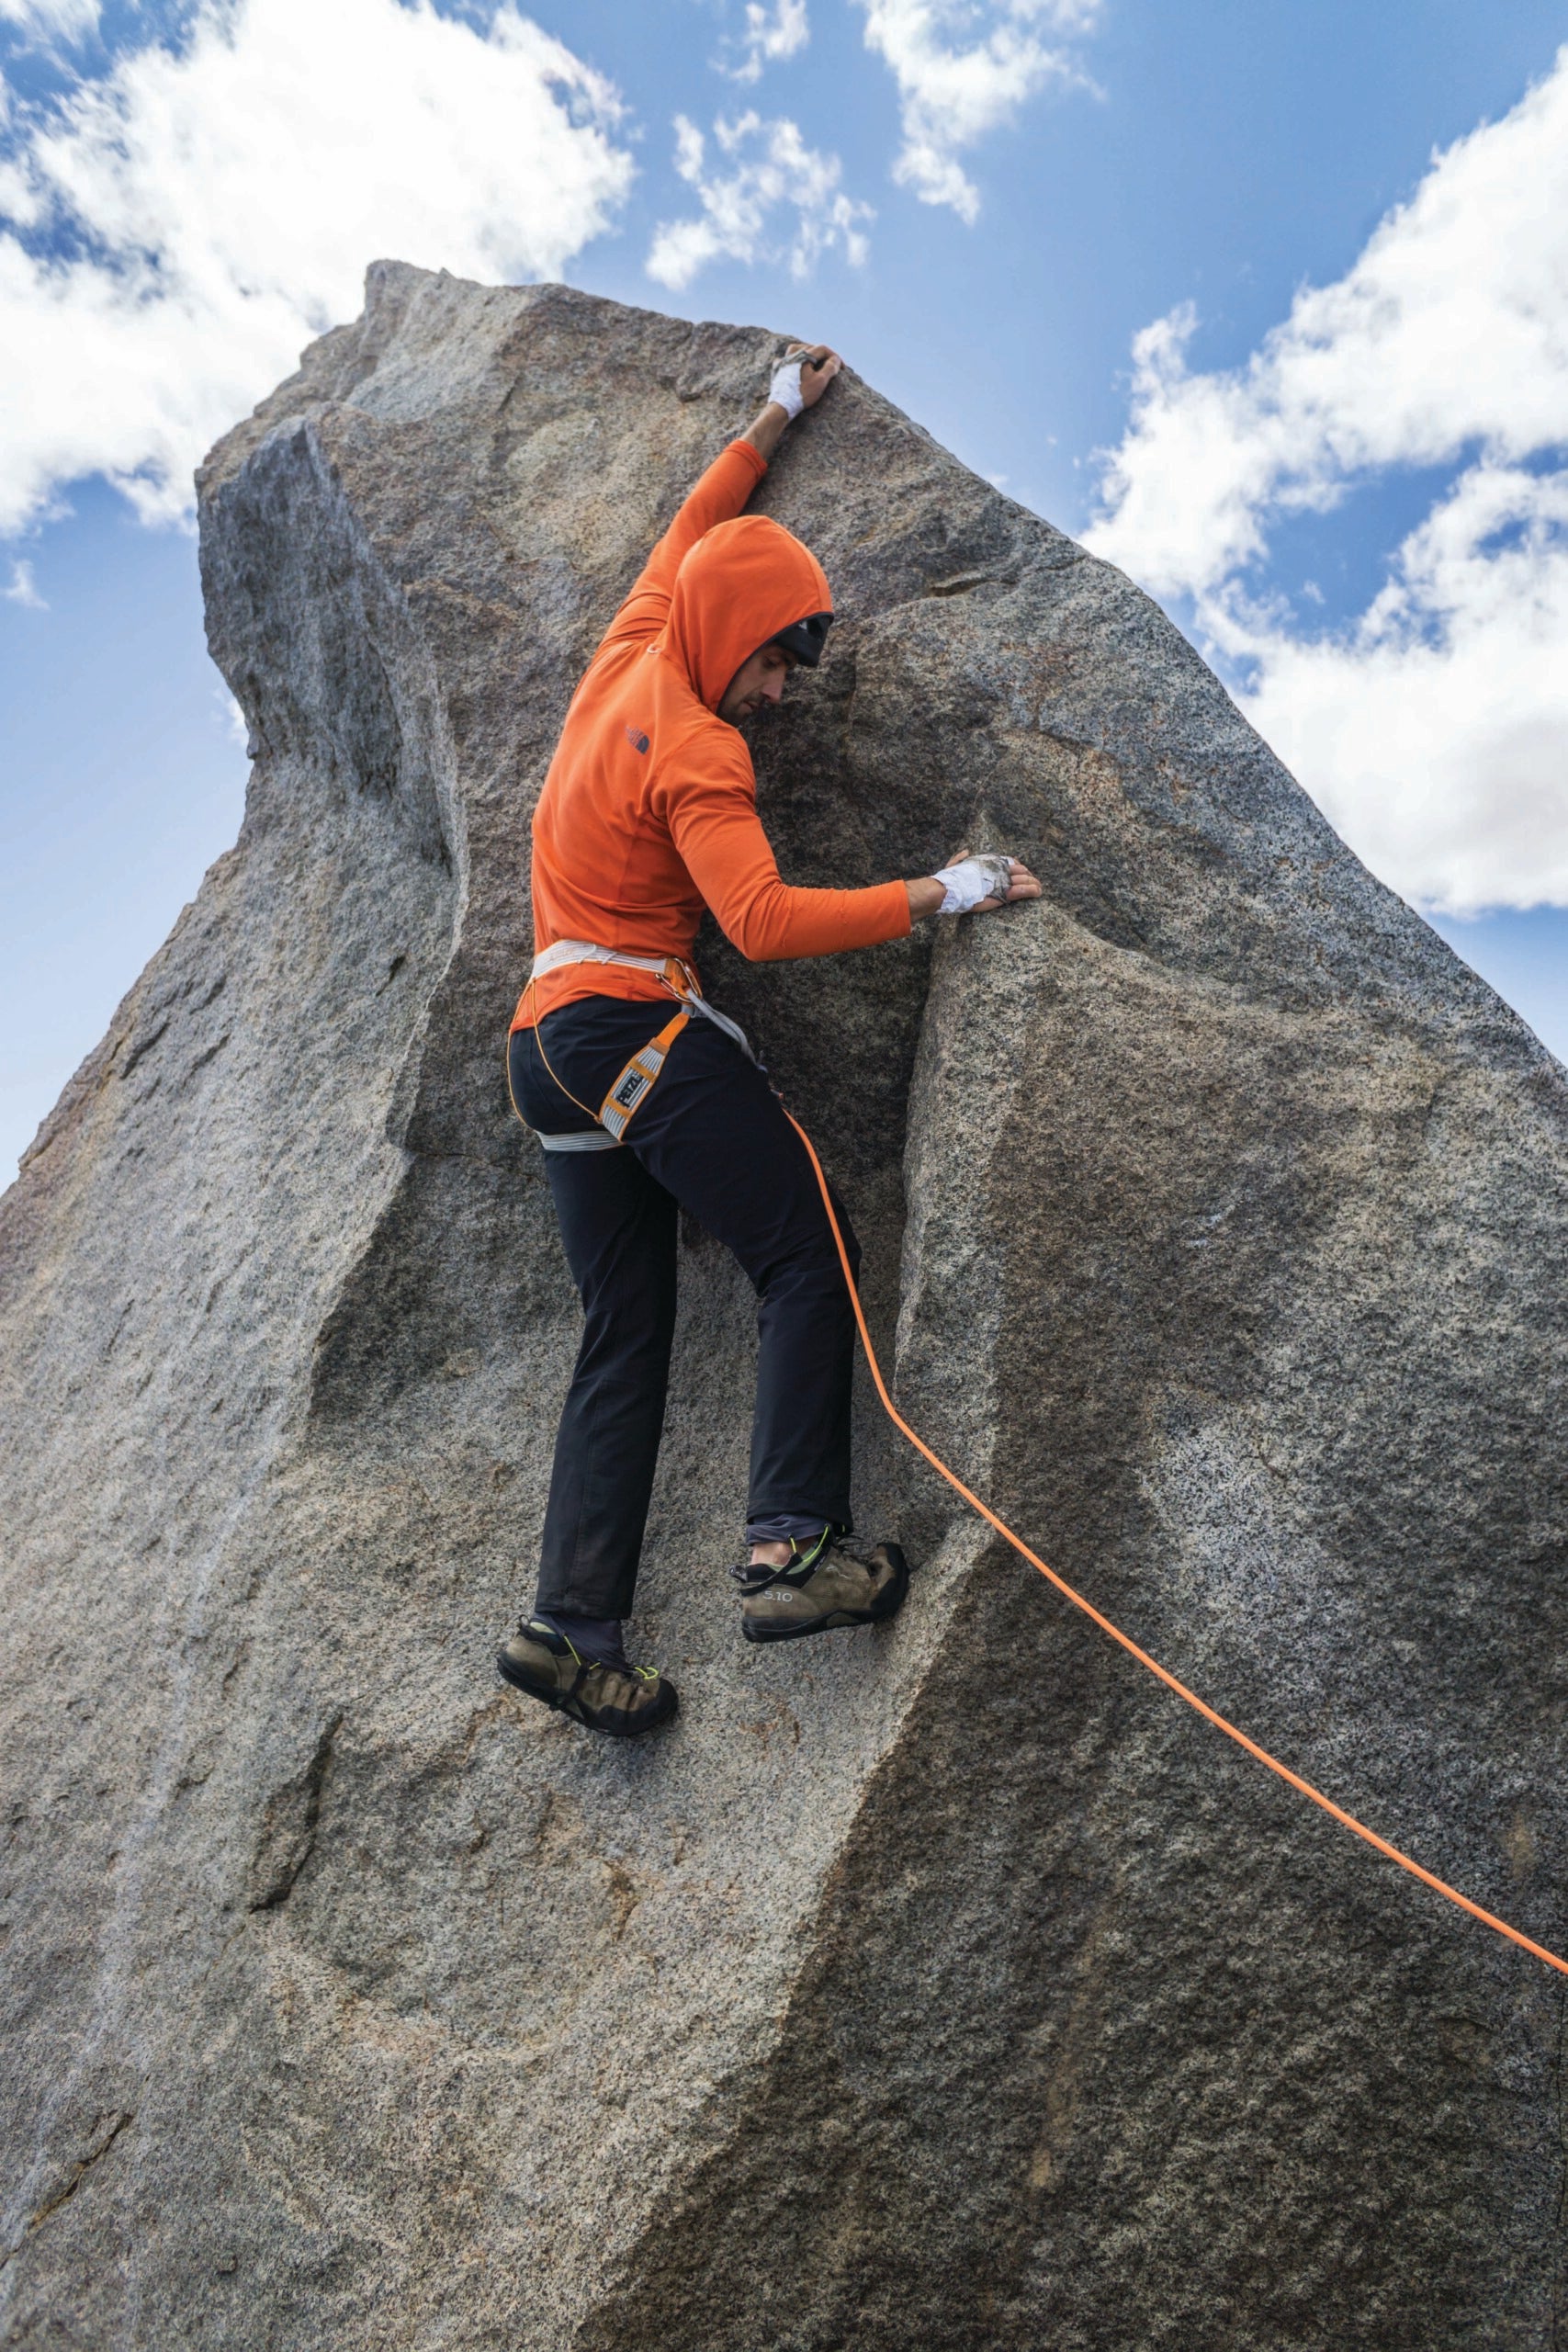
(948, 1986)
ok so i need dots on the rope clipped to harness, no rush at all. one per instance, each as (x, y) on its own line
(1210, 1714)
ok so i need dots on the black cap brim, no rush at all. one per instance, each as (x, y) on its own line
(805, 639)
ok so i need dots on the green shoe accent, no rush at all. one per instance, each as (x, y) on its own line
(838, 1587)
(543, 1663)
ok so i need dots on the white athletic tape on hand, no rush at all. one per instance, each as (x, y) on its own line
(785, 388)
(972, 879)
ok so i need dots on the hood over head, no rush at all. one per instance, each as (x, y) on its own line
(740, 585)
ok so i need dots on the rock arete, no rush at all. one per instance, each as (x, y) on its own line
(950, 1987)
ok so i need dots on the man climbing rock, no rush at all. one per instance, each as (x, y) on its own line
(648, 1101)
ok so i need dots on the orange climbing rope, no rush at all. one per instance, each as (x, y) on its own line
(1209, 1713)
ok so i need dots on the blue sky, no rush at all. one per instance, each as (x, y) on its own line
(1271, 305)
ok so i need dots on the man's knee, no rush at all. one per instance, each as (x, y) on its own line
(812, 1272)
(635, 1319)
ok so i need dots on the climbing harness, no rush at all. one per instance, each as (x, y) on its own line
(1210, 1714)
(628, 1091)
(623, 1100)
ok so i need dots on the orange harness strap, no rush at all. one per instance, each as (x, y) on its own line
(625, 1095)
(1348, 1820)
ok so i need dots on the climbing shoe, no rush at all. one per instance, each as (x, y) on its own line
(543, 1663)
(833, 1587)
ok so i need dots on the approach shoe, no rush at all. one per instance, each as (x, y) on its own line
(543, 1663)
(834, 1587)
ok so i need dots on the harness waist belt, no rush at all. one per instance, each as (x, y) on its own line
(677, 976)
(582, 951)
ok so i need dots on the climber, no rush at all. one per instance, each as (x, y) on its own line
(648, 814)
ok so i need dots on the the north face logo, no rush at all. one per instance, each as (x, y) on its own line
(637, 739)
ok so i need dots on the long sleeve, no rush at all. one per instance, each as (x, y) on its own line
(714, 825)
(718, 497)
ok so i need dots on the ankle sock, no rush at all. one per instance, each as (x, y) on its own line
(791, 1527)
(594, 1637)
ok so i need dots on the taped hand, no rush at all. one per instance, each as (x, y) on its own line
(785, 388)
(791, 389)
(973, 879)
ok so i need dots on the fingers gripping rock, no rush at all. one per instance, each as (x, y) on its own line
(973, 879)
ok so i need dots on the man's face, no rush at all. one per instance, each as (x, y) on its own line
(758, 681)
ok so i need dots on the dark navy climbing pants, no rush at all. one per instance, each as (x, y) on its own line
(710, 1137)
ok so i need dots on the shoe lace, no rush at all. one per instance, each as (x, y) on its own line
(637, 1673)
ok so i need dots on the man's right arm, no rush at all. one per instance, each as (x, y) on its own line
(798, 383)
(718, 497)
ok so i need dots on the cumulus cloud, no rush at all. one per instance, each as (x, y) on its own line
(23, 589)
(181, 225)
(1433, 726)
(963, 68)
(770, 35)
(768, 196)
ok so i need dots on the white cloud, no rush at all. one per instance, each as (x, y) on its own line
(963, 68)
(771, 36)
(23, 590)
(52, 20)
(1433, 734)
(183, 224)
(772, 173)
(1432, 729)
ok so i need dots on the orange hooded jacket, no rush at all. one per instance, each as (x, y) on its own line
(650, 808)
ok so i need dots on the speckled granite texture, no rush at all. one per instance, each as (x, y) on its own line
(949, 1987)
